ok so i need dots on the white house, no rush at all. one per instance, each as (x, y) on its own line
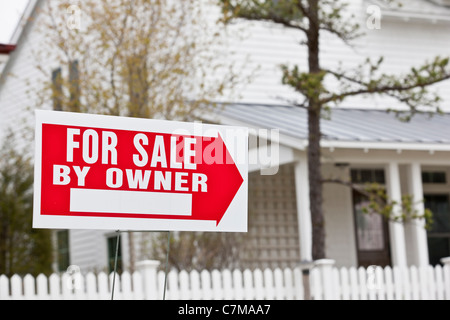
(361, 143)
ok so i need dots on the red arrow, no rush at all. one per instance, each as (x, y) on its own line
(224, 181)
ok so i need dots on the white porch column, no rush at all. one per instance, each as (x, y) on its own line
(416, 227)
(303, 211)
(396, 229)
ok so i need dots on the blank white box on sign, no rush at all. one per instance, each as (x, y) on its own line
(131, 202)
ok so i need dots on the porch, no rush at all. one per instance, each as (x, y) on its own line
(358, 146)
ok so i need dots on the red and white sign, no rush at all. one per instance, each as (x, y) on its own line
(116, 173)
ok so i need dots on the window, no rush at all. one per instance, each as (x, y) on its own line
(73, 86)
(439, 235)
(369, 228)
(112, 245)
(434, 177)
(57, 89)
(372, 235)
(63, 250)
(367, 176)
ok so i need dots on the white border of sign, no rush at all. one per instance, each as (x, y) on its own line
(234, 219)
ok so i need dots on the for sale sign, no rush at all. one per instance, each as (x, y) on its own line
(105, 172)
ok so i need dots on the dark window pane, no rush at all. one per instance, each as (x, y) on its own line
(379, 176)
(63, 257)
(438, 248)
(367, 176)
(439, 235)
(112, 244)
(439, 205)
(434, 177)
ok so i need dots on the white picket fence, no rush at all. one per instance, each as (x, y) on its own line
(376, 283)
(326, 282)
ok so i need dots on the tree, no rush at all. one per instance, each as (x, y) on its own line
(312, 18)
(132, 58)
(22, 249)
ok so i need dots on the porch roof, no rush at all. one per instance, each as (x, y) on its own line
(361, 128)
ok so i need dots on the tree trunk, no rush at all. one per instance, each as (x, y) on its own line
(315, 184)
(314, 135)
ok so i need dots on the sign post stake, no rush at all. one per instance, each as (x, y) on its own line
(115, 264)
(167, 265)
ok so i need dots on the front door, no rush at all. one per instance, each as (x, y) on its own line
(372, 235)
(439, 234)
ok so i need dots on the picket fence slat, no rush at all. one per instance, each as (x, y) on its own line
(217, 285)
(398, 283)
(423, 283)
(194, 277)
(269, 289)
(258, 283)
(16, 287)
(238, 284)
(446, 282)
(138, 290)
(316, 285)
(206, 285)
(415, 288)
(4, 287)
(354, 287)
(172, 293)
(103, 290)
(117, 286)
(161, 276)
(431, 283)
(227, 285)
(298, 284)
(279, 292)
(362, 283)
(406, 283)
(345, 284)
(248, 285)
(184, 285)
(127, 293)
(439, 282)
(380, 283)
(389, 283)
(29, 287)
(336, 285)
(42, 287)
(91, 286)
(326, 282)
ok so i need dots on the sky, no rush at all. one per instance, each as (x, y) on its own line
(10, 13)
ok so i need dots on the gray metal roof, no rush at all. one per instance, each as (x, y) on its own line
(355, 125)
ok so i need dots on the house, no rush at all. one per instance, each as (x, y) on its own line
(361, 143)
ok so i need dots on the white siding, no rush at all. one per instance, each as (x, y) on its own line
(89, 249)
(403, 44)
(20, 80)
